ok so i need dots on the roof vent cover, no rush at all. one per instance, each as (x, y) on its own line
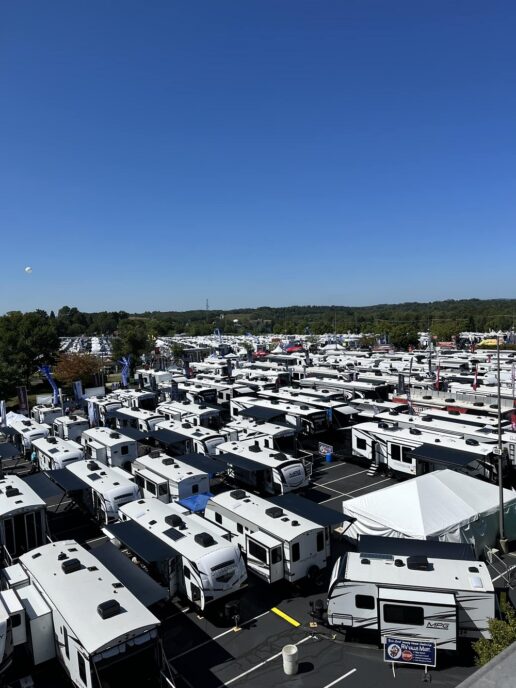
(108, 609)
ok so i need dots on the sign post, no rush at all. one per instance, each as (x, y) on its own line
(406, 651)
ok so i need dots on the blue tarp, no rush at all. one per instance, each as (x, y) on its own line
(196, 502)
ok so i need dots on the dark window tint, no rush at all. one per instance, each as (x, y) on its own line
(218, 518)
(257, 551)
(402, 614)
(125, 449)
(240, 528)
(295, 551)
(395, 452)
(82, 669)
(320, 541)
(364, 601)
(361, 443)
(276, 555)
(186, 572)
(66, 644)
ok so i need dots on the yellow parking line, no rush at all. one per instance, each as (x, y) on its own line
(285, 616)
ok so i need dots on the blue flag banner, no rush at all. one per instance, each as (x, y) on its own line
(125, 362)
(45, 370)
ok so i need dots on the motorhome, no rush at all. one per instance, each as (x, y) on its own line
(278, 544)
(414, 597)
(193, 559)
(305, 419)
(287, 473)
(392, 447)
(70, 427)
(77, 611)
(168, 479)
(46, 414)
(28, 431)
(109, 447)
(23, 520)
(103, 490)
(53, 452)
(199, 414)
(136, 419)
(195, 438)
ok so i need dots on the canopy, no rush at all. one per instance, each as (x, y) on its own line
(261, 413)
(433, 453)
(442, 505)
(196, 502)
(167, 436)
(202, 462)
(131, 575)
(67, 481)
(322, 515)
(144, 544)
(133, 433)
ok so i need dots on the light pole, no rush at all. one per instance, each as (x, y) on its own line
(503, 540)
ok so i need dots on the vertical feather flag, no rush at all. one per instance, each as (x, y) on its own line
(475, 381)
(45, 370)
(125, 362)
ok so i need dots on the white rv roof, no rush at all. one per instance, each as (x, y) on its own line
(76, 595)
(249, 450)
(139, 413)
(26, 499)
(169, 468)
(197, 432)
(188, 406)
(253, 508)
(102, 478)
(251, 427)
(444, 574)
(106, 437)
(280, 406)
(71, 420)
(53, 446)
(151, 514)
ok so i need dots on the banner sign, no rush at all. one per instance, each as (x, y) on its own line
(405, 651)
(45, 371)
(77, 390)
(3, 414)
(329, 415)
(23, 400)
(325, 449)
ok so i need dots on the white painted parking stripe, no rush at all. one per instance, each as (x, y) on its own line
(329, 488)
(206, 642)
(345, 477)
(257, 666)
(340, 679)
(370, 485)
(332, 498)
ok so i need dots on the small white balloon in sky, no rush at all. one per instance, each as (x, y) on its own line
(28, 269)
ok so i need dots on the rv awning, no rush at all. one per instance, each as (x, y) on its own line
(241, 462)
(443, 599)
(346, 410)
(202, 462)
(132, 576)
(407, 547)
(133, 433)
(443, 455)
(43, 486)
(144, 544)
(6, 430)
(67, 481)
(166, 436)
(261, 413)
(317, 513)
(196, 502)
(8, 451)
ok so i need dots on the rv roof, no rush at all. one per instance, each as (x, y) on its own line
(444, 574)
(76, 595)
(169, 469)
(102, 478)
(16, 495)
(104, 437)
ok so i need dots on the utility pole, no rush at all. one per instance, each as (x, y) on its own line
(503, 540)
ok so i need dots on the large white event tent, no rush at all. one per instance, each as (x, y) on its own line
(443, 505)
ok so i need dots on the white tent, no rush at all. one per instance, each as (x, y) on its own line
(443, 505)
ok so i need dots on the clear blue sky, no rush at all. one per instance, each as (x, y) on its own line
(154, 153)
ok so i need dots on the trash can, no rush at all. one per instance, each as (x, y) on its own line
(328, 457)
(290, 659)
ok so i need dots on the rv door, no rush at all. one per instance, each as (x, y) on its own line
(265, 556)
(418, 614)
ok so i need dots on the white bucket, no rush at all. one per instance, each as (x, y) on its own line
(290, 659)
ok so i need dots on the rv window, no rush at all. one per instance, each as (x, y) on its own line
(320, 541)
(401, 614)
(404, 455)
(256, 550)
(218, 518)
(82, 668)
(295, 551)
(125, 449)
(240, 528)
(186, 572)
(195, 489)
(139, 480)
(364, 602)
(15, 620)
(66, 645)
(276, 555)
(395, 452)
(150, 487)
(361, 443)
(162, 490)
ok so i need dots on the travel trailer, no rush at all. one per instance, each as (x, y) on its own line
(191, 438)
(54, 453)
(168, 479)
(287, 472)
(279, 544)
(46, 414)
(75, 610)
(103, 490)
(127, 419)
(23, 520)
(70, 427)
(192, 557)
(190, 411)
(28, 431)
(304, 418)
(109, 447)
(412, 596)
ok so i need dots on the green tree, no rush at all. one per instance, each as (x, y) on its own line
(402, 338)
(503, 634)
(132, 339)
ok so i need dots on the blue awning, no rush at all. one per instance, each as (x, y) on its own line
(196, 502)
